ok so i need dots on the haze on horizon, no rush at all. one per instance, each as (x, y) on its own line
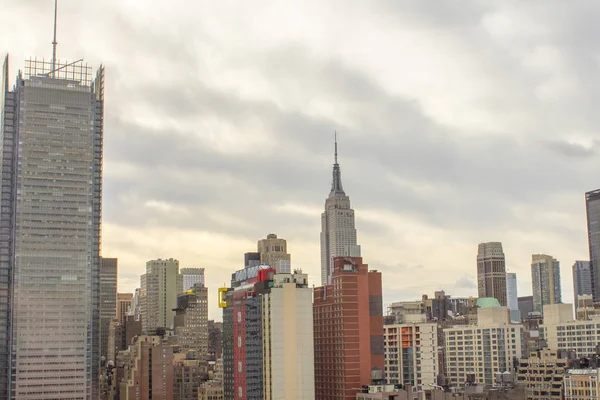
(456, 125)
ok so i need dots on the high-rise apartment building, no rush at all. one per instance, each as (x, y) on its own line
(545, 281)
(483, 349)
(191, 321)
(592, 207)
(411, 354)
(512, 297)
(191, 276)
(582, 279)
(348, 330)
(50, 197)
(562, 332)
(273, 252)
(148, 370)
(160, 286)
(268, 336)
(491, 271)
(124, 305)
(542, 374)
(108, 300)
(338, 232)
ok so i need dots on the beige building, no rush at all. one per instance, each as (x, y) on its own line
(160, 286)
(273, 252)
(288, 347)
(586, 309)
(124, 304)
(408, 312)
(188, 375)
(545, 281)
(562, 332)
(191, 321)
(411, 354)
(582, 384)
(542, 374)
(483, 349)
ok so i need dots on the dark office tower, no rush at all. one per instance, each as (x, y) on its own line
(108, 300)
(491, 271)
(50, 200)
(582, 279)
(592, 207)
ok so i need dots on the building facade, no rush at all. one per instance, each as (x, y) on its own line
(411, 354)
(51, 189)
(491, 271)
(592, 207)
(108, 300)
(273, 252)
(215, 339)
(582, 279)
(124, 306)
(191, 276)
(562, 332)
(512, 297)
(348, 330)
(542, 374)
(338, 231)
(582, 384)
(545, 281)
(191, 321)
(268, 335)
(525, 305)
(482, 350)
(160, 286)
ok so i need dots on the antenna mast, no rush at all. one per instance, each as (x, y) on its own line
(54, 43)
(335, 139)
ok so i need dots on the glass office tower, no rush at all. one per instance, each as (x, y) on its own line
(50, 200)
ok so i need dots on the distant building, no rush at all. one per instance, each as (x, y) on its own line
(116, 339)
(525, 305)
(411, 354)
(160, 286)
(108, 300)
(124, 304)
(349, 344)
(406, 312)
(592, 207)
(512, 297)
(586, 309)
(273, 252)
(545, 281)
(215, 338)
(582, 279)
(542, 374)
(191, 277)
(491, 271)
(268, 335)
(582, 384)
(148, 370)
(482, 350)
(188, 375)
(338, 231)
(191, 321)
(562, 332)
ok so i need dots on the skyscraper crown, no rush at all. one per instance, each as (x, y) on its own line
(336, 184)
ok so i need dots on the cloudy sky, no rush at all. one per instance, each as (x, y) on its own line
(458, 122)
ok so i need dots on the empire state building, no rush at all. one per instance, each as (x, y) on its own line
(338, 232)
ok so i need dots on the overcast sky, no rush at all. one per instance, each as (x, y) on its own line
(458, 122)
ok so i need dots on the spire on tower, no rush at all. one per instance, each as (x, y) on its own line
(335, 141)
(336, 184)
(54, 42)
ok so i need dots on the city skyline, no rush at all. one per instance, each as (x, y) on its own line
(395, 189)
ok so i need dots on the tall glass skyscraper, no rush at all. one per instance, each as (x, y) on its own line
(512, 297)
(592, 208)
(50, 204)
(545, 281)
(582, 279)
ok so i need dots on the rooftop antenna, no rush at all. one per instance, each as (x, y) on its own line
(54, 42)
(335, 140)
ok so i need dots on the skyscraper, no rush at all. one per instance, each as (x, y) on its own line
(545, 281)
(51, 192)
(338, 232)
(491, 271)
(582, 279)
(191, 321)
(348, 331)
(191, 276)
(273, 252)
(124, 305)
(592, 207)
(108, 300)
(158, 295)
(512, 297)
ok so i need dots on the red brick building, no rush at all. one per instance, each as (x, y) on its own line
(348, 331)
